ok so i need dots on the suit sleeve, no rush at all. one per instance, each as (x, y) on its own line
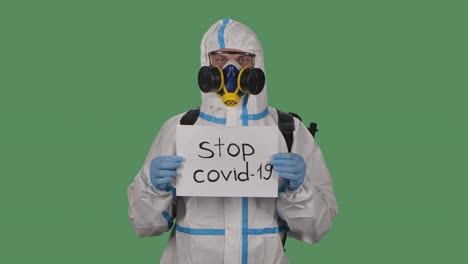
(309, 211)
(151, 212)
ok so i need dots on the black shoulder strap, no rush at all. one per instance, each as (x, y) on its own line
(286, 126)
(312, 126)
(190, 117)
(296, 115)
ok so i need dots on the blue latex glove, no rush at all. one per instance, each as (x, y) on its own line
(291, 167)
(163, 169)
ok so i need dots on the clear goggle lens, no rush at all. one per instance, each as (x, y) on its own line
(220, 58)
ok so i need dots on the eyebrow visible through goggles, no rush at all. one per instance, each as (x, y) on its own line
(232, 52)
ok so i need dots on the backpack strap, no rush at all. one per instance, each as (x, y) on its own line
(190, 117)
(286, 126)
(284, 120)
(295, 115)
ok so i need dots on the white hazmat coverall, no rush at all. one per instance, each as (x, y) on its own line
(233, 230)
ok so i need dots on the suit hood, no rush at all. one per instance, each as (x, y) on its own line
(228, 33)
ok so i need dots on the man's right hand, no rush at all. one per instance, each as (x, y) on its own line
(163, 170)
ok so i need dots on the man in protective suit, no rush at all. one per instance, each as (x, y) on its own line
(233, 229)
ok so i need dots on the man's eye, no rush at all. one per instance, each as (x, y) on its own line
(244, 60)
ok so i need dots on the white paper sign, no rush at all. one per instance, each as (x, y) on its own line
(227, 161)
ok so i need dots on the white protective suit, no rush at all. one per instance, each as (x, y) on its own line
(233, 230)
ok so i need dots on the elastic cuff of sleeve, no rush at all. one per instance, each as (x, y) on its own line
(167, 189)
(293, 190)
(282, 188)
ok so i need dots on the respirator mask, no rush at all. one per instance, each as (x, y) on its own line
(231, 75)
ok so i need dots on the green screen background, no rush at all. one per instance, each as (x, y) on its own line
(86, 85)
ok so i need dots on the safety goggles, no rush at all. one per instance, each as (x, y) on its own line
(219, 58)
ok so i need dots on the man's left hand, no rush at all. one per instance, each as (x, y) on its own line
(290, 166)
